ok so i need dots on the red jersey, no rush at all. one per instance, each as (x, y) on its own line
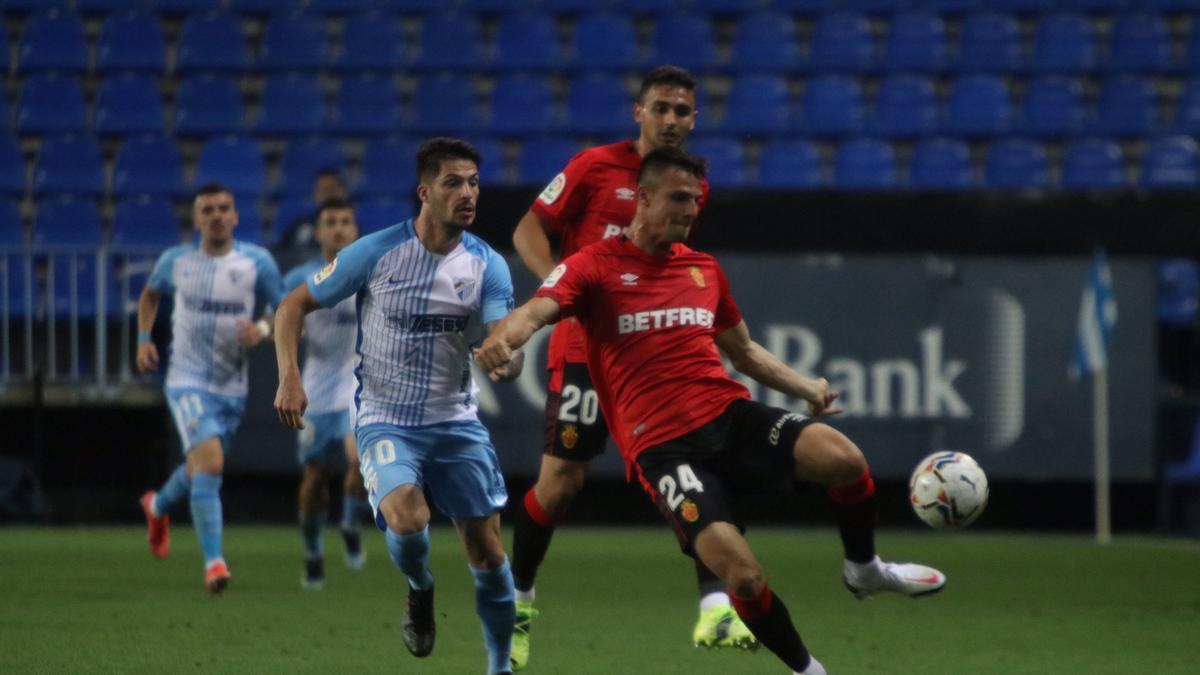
(650, 326)
(592, 199)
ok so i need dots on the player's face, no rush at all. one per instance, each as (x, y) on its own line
(671, 206)
(452, 195)
(666, 115)
(336, 229)
(215, 217)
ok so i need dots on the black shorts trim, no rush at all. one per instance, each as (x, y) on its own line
(575, 428)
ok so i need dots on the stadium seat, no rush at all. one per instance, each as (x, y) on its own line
(1064, 43)
(413, 6)
(905, 105)
(12, 232)
(1052, 107)
(605, 41)
(185, 6)
(757, 104)
(493, 171)
(805, 7)
(790, 164)
(250, 224)
(302, 161)
(527, 41)
(148, 165)
(599, 104)
(291, 209)
(1139, 42)
(916, 41)
(1179, 299)
(1187, 112)
(12, 168)
(1094, 6)
(542, 159)
(832, 105)
(841, 42)
(1019, 6)
(5, 63)
(450, 41)
(765, 41)
(1015, 164)
(1172, 6)
(294, 41)
(51, 104)
(234, 162)
(26, 6)
(145, 220)
(372, 41)
(1170, 163)
(269, 7)
(1127, 105)
(726, 160)
(340, 6)
(521, 105)
(941, 164)
(131, 40)
(989, 43)
(208, 104)
(685, 40)
(291, 104)
(865, 164)
(69, 164)
(446, 104)
(366, 104)
(576, 6)
(108, 6)
(129, 104)
(388, 169)
(1093, 164)
(53, 40)
(211, 42)
(979, 105)
(378, 213)
(725, 6)
(876, 7)
(67, 220)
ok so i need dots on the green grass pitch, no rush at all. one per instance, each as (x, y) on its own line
(612, 601)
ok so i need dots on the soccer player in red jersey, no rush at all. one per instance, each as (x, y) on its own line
(657, 316)
(594, 198)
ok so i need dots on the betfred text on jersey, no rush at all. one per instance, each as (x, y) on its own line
(664, 318)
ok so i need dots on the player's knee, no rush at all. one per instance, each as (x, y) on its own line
(745, 580)
(403, 521)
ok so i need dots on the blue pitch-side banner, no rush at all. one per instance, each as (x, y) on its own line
(928, 353)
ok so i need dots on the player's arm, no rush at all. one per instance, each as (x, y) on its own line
(514, 331)
(290, 399)
(752, 359)
(268, 292)
(147, 353)
(532, 241)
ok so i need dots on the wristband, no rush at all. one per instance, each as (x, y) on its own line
(143, 337)
(264, 328)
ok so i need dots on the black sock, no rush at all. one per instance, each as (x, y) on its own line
(707, 581)
(531, 539)
(768, 618)
(856, 525)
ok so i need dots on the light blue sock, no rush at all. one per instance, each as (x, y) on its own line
(410, 552)
(173, 491)
(310, 529)
(353, 511)
(206, 514)
(495, 605)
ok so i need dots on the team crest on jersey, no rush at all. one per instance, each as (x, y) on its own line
(625, 194)
(689, 511)
(554, 189)
(462, 287)
(569, 436)
(698, 276)
(629, 279)
(555, 275)
(325, 271)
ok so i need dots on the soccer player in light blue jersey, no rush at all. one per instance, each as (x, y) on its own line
(219, 287)
(328, 433)
(425, 290)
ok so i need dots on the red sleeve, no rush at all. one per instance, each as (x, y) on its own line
(565, 197)
(568, 285)
(728, 314)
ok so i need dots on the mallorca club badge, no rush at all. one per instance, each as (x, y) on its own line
(569, 436)
(689, 510)
(698, 276)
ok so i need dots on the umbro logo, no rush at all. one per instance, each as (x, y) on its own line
(625, 194)
(629, 279)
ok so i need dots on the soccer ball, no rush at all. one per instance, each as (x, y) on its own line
(948, 490)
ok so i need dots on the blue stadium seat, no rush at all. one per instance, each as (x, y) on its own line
(131, 41)
(372, 41)
(366, 104)
(1019, 6)
(12, 168)
(1052, 107)
(1064, 43)
(148, 165)
(1172, 6)
(790, 164)
(916, 41)
(765, 41)
(145, 220)
(1016, 164)
(211, 42)
(67, 220)
(1093, 6)
(269, 7)
(757, 104)
(876, 7)
(1178, 303)
(302, 161)
(726, 161)
(1170, 163)
(340, 6)
(53, 40)
(108, 6)
(527, 41)
(494, 170)
(413, 6)
(378, 213)
(208, 104)
(989, 42)
(450, 40)
(1093, 164)
(865, 164)
(129, 104)
(522, 105)
(5, 64)
(1127, 105)
(234, 162)
(577, 6)
(905, 105)
(185, 6)
(979, 105)
(841, 42)
(1140, 42)
(726, 6)
(605, 41)
(941, 164)
(952, 7)
(1187, 113)
(51, 104)
(388, 168)
(542, 159)
(12, 232)
(685, 40)
(599, 104)
(69, 164)
(294, 41)
(291, 209)
(292, 104)
(832, 105)
(24, 6)
(446, 104)
(805, 7)
(250, 224)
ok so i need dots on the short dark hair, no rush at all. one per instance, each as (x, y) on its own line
(334, 204)
(434, 151)
(660, 159)
(328, 171)
(211, 189)
(669, 75)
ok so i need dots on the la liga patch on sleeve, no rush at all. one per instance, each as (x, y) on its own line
(325, 271)
(554, 189)
(554, 276)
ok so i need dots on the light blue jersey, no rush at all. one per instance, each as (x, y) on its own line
(419, 314)
(213, 295)
(329, 357)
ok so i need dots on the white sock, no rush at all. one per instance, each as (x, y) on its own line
(715, 599)
(525, 596)
(814, 667)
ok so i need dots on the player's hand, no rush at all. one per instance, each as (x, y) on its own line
(249, 334)
(290, 403)
(147, 357)
(493, 354)
(821, 400)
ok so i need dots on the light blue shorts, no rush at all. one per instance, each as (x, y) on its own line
(322, 440)
(200, 415)
(455, 460)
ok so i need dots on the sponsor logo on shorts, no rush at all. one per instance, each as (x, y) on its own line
(698, 276)
(569, 436)
(325, 271)
(554, 189)
(777, 428)
(554, 276)
(689, 511)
